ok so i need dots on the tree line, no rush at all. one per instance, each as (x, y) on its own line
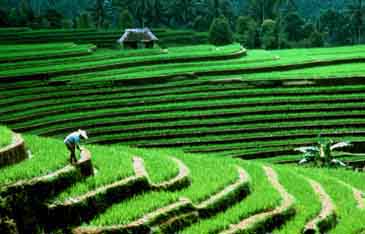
(270, 24)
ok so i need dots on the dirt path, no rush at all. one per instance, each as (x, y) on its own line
(243, 178)
(180, 179)
(328, 208)
(287, 202)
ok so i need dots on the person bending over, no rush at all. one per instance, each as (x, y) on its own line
(72, 142)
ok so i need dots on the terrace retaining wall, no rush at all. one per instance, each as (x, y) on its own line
(13, 153)
(23, 200)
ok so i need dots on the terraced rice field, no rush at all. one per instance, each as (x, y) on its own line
(143, 190)
(221, 100)
(205, 108)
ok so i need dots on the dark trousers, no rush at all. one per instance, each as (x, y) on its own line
(72, 149)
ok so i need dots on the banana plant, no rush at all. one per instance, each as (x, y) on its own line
(322, 153)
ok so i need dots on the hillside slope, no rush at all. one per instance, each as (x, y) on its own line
(222, 100)
(165, 191)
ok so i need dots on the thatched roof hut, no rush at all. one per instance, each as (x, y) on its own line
(138, 38)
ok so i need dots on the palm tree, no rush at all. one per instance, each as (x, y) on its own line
(268, 9)
(322, 154)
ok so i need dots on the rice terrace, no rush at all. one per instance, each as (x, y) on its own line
(182, 117)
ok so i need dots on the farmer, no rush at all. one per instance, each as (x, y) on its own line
(72, 141)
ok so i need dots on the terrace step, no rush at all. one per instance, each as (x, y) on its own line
(13, 153)
(285, 210)
(26, 197)
(53, 182)
(145, 223)
(182, 179)
(245, 109)
(219, 201)
(177, 223)
(119, 65)
(327, 216)
(181, 213)
(77, 209)
(307, 100)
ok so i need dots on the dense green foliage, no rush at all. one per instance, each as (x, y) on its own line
(293, 23)
(220, 32)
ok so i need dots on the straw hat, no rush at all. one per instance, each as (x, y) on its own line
(83, 133)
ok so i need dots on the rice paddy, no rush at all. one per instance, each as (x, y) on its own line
(204, 106)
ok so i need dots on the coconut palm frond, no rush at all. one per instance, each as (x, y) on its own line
(306, 149)
(310, 155)
(338, 162)
(340, 145)
(304, 160)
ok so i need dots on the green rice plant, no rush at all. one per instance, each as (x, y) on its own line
(180, 117)
(228, 124)
(206, 68)
(20, 48)
(195, 101)
(207, 179)
(111, 164)
(100, 54)
(188, 94)
(325, 72)
(262, 197)
(158, 164)
(5, 136)
(161, 139)
(46, 156)
(108, 62)
(9, 56)
(307, 202)
(353, 178)
(346, 205)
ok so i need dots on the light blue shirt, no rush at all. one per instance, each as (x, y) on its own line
(73, 138)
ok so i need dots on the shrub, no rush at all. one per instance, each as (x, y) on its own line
(246, 28)
(220, 32)
(269, 34)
